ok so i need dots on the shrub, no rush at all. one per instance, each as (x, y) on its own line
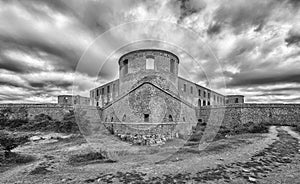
(10, 141)
(88, 157)
(43, 122)
(250, 127)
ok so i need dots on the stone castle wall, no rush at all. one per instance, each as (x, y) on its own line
(276, 114)
(23, 111)
(228, 116)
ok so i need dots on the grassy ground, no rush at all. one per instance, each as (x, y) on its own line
(239, 158)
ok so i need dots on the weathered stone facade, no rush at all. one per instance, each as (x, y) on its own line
(148, 101)
(73, 100)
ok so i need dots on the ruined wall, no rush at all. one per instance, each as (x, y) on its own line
(233, 99)
(230, 115)
(23, 111)
(198, 95)
(104, 94)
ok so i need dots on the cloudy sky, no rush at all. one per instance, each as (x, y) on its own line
(52, 47)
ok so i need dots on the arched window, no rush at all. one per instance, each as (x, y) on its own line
(124, 117)
(199, 103)
(125, 62)
(204, 103)
(172, 66)
(236, 100)
(150, 62)
(170, 118)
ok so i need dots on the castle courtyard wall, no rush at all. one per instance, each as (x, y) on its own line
(230, 115)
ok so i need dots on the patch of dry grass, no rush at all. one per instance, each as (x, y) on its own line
(12, 159)
(89, 158)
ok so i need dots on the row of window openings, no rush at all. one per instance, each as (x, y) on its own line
(150, 63)
(204, 103)
(204, 93)
(208, 102)
(102, 90)
(66, 100)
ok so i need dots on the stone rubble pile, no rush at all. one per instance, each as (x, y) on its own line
(147, 140)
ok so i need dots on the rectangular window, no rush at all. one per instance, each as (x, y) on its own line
(125, 66)
(108, 89)
(146, 117)
(204, 94)
(172, 66)
(97, 92)
(236, 100)
(191, 89)
(150, 63)
(102, 91)
(184, 87)
(199, 92)
(208, 95)
(114, 87)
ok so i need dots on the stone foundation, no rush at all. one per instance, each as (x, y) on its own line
(143, 133)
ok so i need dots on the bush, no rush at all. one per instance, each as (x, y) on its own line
(250, 127)
(43, 122)
(94, 157)
(40, 122)
(14, 159)
(10, 141)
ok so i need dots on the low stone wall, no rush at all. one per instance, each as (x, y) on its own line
(23, 111)
(276, 114)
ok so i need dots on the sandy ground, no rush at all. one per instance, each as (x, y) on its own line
(248, 158)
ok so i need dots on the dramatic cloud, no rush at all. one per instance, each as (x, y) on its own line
(293, 37)
(48, 48)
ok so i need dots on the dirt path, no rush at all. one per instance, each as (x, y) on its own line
(249, 158)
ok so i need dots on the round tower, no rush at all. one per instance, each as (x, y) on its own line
(158, 67)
